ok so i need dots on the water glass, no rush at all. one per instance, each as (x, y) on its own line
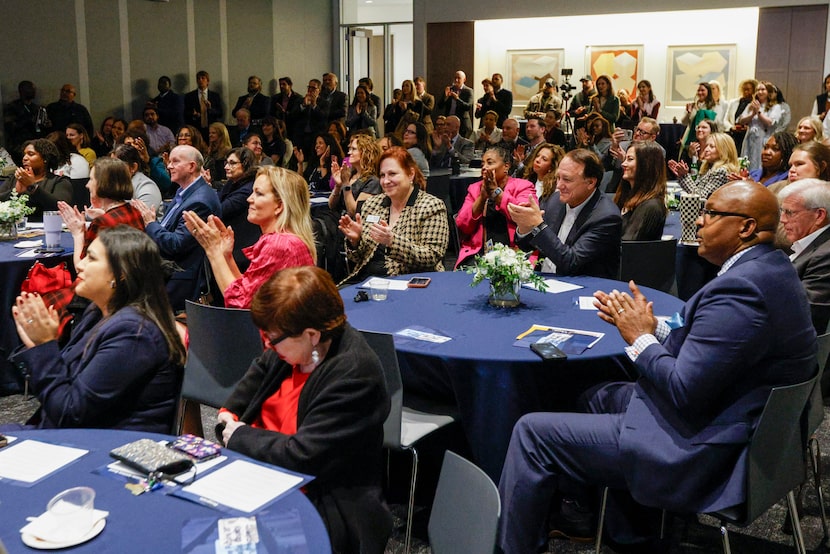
(379, 289)
(52, 223)
(72, 511)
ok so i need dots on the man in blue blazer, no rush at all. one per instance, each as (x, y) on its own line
(677, 437)
(577, 230)
(172, 237)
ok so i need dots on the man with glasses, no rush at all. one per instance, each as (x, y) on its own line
(66, 111)
(677, 437)
(647, 130)
(308, 118)
(805, 206)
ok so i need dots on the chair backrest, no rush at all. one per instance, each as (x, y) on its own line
(80, 194)
(815, 406)
(223, 341)
(776, 450)
(384, 347)
(439, 186)
(649, 262)
(465, 511)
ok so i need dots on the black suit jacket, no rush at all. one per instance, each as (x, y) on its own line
(593, 245)
(192, 109)
(813, 267)
(260, 106)
(171, 110)
(463, 109)
(334, 105)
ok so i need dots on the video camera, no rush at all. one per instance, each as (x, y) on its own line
(566, 87)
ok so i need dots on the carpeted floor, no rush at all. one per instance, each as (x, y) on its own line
(687, 536)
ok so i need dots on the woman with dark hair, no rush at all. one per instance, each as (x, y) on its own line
(809, 160)
(362, 113)
(822, 102)
(157, 163)
(317, 171)
(103, 141)
(645, 104)
(119, 127)
(775, 159)
(337, 131)
(357, 180)
(596, 135)
(144, 188)
(416, 142)
(273, 141)
(36, 179)
(279, 206)
(191, 136)
(315, 402)
(391, 115)
(691, 154)
(606, 103)
(78, 137)
(484, 217)
(110, 191)
(702, 108)
(122, 365)
(72, 164)
(761, 118)
(253, 142)
(401, 230)
(641, 196)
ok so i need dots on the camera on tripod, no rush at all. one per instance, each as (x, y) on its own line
(566, 87)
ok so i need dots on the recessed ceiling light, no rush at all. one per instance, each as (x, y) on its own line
(369, 1)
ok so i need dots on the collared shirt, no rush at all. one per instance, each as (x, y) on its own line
(564, 230)
(802, 243)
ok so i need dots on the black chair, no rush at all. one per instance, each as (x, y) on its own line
(775, 463)
(80, 194)
(439, 186)
(223, 341)
(649, 263)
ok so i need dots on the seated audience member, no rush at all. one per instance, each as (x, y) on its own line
(72, 164)
(158, 134)
(437, 134)
(317, 171)
(809, 128)
(691, 154)
(219, 144)
(702, 108)
(809, 160)
(279, 205)
(746, 332)
(337, 130)
(362, 114)
(253, 142)
(110, 191)
(641, 196)
(273, 140)
(401, 230)
(103, 142)
(805, 206)
(720, 161)
(510, 138)
(596, 136)
(36, 178)
(483, 217)
(172, 236)
(122, 365)
(119, 127)
(191, 136)
(522, 154)
(542, 169)
(451, 145)
(78, 137)
(577, 230)
(240, 132)
(387, 142)
(775, 158)
(647, 130)
(144, 188)
(416, 142)
(553, 130)
(488, 134)
(543, 101)
(315, 402)
(357, 180)
(153, 160)
(645, 104)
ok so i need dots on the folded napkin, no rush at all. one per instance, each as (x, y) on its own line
(28, 244)
(47, 527)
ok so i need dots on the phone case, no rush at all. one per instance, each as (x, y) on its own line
(196, 447)
(548, 351)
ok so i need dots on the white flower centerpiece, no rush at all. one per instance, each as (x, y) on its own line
(11, 211)
(506, 269)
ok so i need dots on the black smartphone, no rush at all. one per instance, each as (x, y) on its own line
(419, 282)
(548, 351)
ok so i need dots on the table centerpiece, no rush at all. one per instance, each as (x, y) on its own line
(506, 270)
(11, 211)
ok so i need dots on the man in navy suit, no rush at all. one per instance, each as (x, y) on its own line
(577, 230)
(676, 438)
(202, 106)
(257, 104)
(172, 237)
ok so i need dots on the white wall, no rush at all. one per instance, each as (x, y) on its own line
(655, 31)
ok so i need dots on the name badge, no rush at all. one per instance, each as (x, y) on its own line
(372, 219)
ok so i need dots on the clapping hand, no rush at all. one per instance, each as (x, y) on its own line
(212, 234)
(74, 219)
(36, 324)
(526, 215)
(381, 233)
(678, 168)
(148, 213)
(351, 228)
(632, 315)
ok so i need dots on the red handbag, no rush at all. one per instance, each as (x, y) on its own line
(42, 279)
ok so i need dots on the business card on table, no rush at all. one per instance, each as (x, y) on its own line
(426, 336)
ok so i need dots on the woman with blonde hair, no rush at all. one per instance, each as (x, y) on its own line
(809, 128)
(219, 144)
(357, 177)
(720, 159)
(279, 204)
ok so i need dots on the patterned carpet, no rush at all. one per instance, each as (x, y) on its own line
(687, 536)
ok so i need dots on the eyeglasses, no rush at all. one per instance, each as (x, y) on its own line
(716, 213)
(231, 163)
(793, 213)
(639, 131)
(274, 342)
(409, 132)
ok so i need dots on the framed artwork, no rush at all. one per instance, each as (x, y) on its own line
(528, 69)
(689, 65)
(623, 64)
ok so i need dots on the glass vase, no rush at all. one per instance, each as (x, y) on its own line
(8, 230)
(504, 294)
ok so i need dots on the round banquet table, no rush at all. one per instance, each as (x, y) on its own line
(151, 522)
(13, 271)
(492, 382)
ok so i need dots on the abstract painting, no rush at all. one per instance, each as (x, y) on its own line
(623, 64)
(528, 69)
(689, 65)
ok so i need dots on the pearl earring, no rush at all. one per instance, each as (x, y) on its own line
(315, 357)
(112, 284)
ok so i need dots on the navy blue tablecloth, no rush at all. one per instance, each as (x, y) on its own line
(13, 271)
(492, 382)
(151, 522)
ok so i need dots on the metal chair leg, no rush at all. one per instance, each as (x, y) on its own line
(601, 521)
(411, 507)
(724, 535)
(815, 462)
(798, 538)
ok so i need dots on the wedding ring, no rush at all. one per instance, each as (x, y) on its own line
(30, 321)
(621, 310)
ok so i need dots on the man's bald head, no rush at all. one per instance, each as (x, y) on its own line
(185, 165)
(737, 216)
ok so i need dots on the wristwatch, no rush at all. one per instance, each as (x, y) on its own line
(538, 229)
(495, 193)
(347, 188)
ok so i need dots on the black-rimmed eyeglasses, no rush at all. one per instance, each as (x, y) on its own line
(716, 213)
